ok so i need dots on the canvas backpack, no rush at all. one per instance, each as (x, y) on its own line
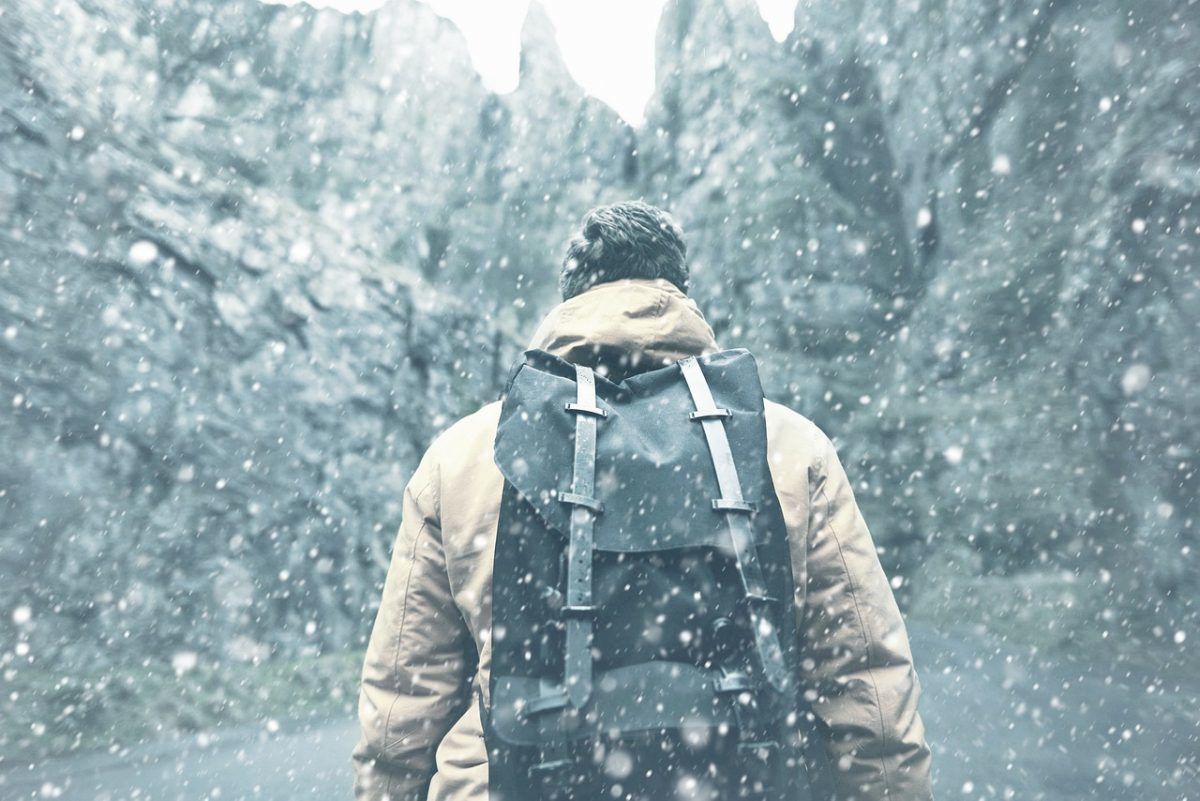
(644, 636)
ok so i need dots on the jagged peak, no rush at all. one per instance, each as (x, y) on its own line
(735, 23)
(395, 20)
(673, 26)
(540, 51)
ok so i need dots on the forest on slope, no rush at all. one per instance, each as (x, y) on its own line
(253, 258)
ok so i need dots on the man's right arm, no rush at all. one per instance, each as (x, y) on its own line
(414, 683)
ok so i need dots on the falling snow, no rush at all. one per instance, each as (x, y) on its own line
(254, 258)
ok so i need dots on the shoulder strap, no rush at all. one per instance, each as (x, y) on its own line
(737, 511)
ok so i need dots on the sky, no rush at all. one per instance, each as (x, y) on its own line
(590, 32)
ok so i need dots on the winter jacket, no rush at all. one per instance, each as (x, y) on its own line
(426, 666)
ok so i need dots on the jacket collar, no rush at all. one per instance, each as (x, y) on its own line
(625, 327)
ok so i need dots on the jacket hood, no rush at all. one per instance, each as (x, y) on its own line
(625, 327)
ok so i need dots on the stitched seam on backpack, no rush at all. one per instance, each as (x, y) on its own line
(412, 562)
(862, 625)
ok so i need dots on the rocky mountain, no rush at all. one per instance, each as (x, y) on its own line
(965, 241)
(215, 392)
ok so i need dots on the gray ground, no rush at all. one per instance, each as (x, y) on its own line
(1003, 725)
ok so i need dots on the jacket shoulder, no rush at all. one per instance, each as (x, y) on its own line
(794, 442)
(463, 452)
(465, 438)
(468, 432)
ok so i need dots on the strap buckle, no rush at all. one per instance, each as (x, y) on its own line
(579, 408)
(550, 702)
(752, 737)
(734, 505)
(732, 681)
(755, 599)
(550, 766)
(761, 749)
(578, 609)
(575, 499)
(709, 414)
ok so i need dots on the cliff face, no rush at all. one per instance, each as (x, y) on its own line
(253, 257)
(218, 383)
(964, 237)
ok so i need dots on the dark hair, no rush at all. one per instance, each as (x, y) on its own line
(630, 239)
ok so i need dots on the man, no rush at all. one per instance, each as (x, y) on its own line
(426, 674)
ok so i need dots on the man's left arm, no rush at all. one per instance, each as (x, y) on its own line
(855, 648)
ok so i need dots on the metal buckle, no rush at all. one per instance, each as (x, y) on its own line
(551, 702)
(748, 715)
(549, 767)
(594, 411)
(581, 500)
(708, 414)
(733, 681)
(578, 609)
(760, 750)
(734, 505)
(755, 598)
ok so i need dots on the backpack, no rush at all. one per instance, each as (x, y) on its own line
(644, 636)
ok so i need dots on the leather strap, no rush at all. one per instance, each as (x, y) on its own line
(577, 665)
(554, 751)
(737, 513)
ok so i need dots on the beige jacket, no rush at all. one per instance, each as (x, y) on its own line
(421, 732)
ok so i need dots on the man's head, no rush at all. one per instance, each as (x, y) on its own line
(631, 239)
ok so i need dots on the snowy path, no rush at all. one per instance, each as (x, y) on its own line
(1005, 725)
(305, 761)
(1002, 726)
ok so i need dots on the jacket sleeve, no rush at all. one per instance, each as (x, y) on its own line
(858, 666)
(414, 677)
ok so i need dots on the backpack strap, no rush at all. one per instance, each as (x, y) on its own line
(556, 708)
(578, 609)
(737, 511)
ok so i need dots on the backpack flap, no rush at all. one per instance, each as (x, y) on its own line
(653, 469)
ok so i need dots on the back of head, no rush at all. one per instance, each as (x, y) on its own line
(630, 239)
